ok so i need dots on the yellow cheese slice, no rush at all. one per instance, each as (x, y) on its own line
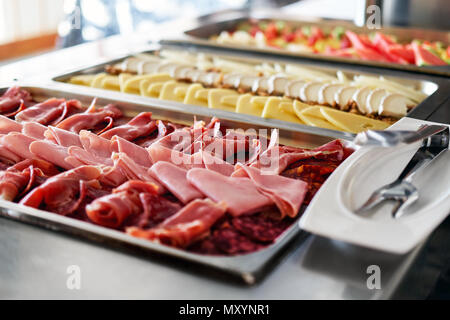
(202, 94)
(154, 89)
(300, 106)
(352, 122)
(259, 101)
(280, 109)
(123, 77)
(97, 81)
(131, 85)
(181, 91)
(111, 83)
(191, 96)
(230, 100)
(215, 96)
(168, 91)
(82, 79)
(248, 104)
(143, 88)
(313, 117)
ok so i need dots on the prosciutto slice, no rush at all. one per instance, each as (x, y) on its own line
(128, 200)
(217, 164)
(137, 153)
(288, 194)
(174, 179)
(7, 125)
(63, 194)
(53, 153)
(91, 119)
(140, 126)
(34, 130)
(186, 226)
(20, 178)
(49, 112)
(240, 194)
(62, 137)
(13, 99)
(18, 144)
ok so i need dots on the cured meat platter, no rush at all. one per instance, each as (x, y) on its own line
(59, 175)
(274, 33)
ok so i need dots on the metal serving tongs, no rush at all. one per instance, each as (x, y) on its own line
(435, 140)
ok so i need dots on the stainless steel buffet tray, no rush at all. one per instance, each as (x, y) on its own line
(436, 88)
(248, 268)
(200, 31)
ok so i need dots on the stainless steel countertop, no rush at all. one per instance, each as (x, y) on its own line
(34, 261)
(34, 264)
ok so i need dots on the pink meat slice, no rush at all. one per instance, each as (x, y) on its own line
(7, 125)
(140, 126)
(240, 194)
(34, 130)
(217, 164)
(187, 225)
(19, 144)
(287, 194)
(174, 179)
(13, 98)
(137, 153)
(90, 119)
(96, 145)
(134, 171)
(62, 137)
(43, 113)
(53, 153)
(186, 161)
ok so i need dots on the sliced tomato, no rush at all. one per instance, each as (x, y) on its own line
(289, 37)
(358, 42)
(345, 42)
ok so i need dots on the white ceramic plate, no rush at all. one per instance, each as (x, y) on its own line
(330, 214)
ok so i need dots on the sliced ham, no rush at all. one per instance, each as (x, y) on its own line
(34, 130)
(53, 153)
(7, 125)
(12, 100)
(134, 171)
(90, 119)
(43, 113)
(96, 145)
(19, 144)
(64, 193)
(217, 164)
(175, 180)
(140, 126)
(137, 201)
(137, 153)
(186, 226)
(287, 194)
(186, 161)
(240, 194)
(62, 137)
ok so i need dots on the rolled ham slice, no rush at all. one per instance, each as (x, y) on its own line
(138, 154)
(62, 137)
(7, 125)
(288, 194)
(45, 112)
(175, 180)
(240, 194)
(34, 130)
(186, 226)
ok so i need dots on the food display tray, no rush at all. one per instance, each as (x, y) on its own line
(200, 31)
(437, 88)
(248, 268)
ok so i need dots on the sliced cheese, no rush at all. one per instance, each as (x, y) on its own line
(280, 109)
(111, 83)
(123, 77)
(83, 79)
(215, 97)
(168, 91)
(132, 84)
(97, 80)
(351, 122)
(192, 98)
(313, 117)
